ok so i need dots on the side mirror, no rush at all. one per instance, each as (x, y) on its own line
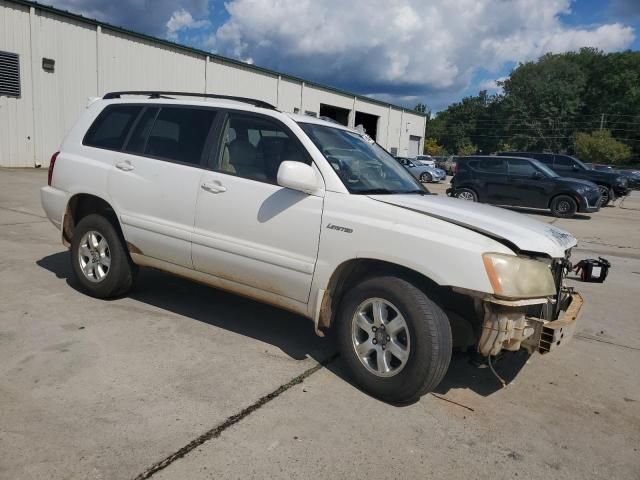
(298, 176)
(537, 175)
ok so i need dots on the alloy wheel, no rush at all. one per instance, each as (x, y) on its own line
(380, 337)
(94, 256)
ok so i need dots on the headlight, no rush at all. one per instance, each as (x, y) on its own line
(517, 277)
(622, 181)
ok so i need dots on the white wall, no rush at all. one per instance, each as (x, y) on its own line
(91, 60)
(61, 95)
(129, 63)
(16, 114)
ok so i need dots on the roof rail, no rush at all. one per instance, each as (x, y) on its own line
(162, 94)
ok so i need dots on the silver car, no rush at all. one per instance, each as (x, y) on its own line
(423, 173)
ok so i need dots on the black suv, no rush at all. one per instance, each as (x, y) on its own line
(611, 184)
(522, 182)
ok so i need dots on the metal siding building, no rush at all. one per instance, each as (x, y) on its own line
(91, 58)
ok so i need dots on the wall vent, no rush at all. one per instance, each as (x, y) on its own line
(9, 74)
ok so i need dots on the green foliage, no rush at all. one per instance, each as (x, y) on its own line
(544, 104)
(432, 147)
(421, 108)
(467, 148)
(601, 147)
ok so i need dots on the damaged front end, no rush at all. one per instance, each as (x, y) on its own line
(539, 324)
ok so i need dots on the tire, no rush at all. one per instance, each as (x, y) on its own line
(466, 194)
(563, 206)
(104, 279)
(426, 336)
(606, 195)
(426, 177)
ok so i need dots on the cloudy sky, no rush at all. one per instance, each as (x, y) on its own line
(403, 51)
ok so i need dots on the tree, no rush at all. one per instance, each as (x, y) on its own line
(601, 147)
(467, 148)
(421, 108)
(432, 147)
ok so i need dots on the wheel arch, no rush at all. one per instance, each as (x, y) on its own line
(356, 269)
(82, 204)
(564, 194)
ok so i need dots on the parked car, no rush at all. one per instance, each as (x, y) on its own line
(611, 184)
(309, 216)
(522, 182)
(422, 172)
(426, 160)
(440, 161)
(632, 176)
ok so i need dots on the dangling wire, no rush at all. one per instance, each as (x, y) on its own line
(504, 384)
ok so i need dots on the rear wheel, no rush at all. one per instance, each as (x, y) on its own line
(466, 194)
(101, 264)
(605, 195)
(395, 342)
(426, 177)
(564, 206)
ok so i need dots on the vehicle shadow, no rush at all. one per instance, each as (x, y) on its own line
(291, 333)
(463, 373)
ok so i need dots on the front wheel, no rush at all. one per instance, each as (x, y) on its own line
(395, 342)
(564, 206)
(426, 177)
(101, 264)
(605, 195)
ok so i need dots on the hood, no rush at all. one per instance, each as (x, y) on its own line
(518, 231)
(577, 182)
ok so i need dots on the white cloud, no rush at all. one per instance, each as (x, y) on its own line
(491, 85)
(182, 20)
(403, 47)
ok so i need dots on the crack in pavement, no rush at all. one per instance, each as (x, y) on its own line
(216, 431)
(596, 339)
(22, 223)
(24, 213)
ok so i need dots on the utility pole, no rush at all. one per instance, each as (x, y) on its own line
(602, 121)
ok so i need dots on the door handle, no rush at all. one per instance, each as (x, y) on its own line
(124, 166)
(213, 187)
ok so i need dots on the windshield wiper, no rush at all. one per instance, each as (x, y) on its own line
(386, 191)
(375, 191)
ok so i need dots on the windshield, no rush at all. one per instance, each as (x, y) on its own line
(363, 166)
(546, 170)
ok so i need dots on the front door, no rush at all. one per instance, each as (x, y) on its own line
(528, 187)
(248, 229)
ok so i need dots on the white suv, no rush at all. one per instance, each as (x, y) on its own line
(312, 217)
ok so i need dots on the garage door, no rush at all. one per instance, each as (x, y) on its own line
(414, 146)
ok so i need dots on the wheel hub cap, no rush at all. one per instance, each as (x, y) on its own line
(380, 337)
(94, 256)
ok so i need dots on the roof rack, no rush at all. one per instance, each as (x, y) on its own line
(162, 94)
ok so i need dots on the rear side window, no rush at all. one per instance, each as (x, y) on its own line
(563, 162)
(138, 140)
(492, 165)
(179, 134)
(110, 129)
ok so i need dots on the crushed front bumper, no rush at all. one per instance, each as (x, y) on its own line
(510, 326)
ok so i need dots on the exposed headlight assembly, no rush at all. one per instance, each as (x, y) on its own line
(517, 277)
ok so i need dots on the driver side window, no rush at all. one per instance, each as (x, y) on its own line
(254, 148)
(563, 163)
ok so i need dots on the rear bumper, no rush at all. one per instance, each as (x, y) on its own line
(54, 202)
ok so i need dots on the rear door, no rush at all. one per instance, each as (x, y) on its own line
(490, 176)
(154, 179)
(248, 229)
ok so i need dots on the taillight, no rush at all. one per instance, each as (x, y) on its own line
(52, 164)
